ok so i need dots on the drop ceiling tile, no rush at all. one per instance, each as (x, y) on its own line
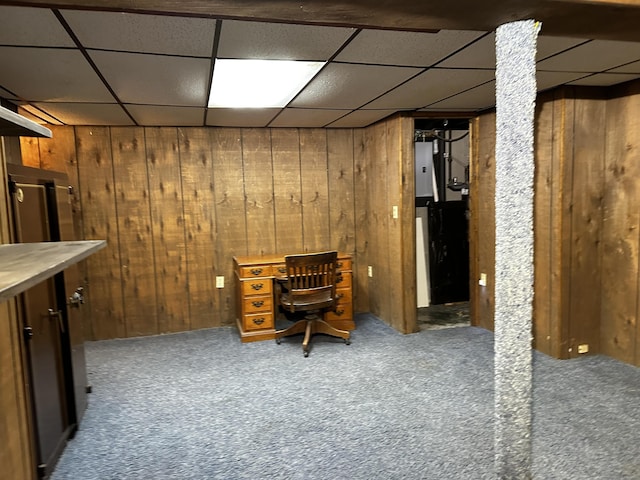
(306, 117)
(546, 80)
(594, 56)
(633, 67)
(548, 46)
(155, 79)
(33, 27)
(157, 115)
(348, 86)
(481, 54)
(87, 113)
(130, 32)
(605, 79)
(244, 117)
(54, 75)
(361, 118)
(431, 86)
(386, 47)
(477, 98)
(279, 41)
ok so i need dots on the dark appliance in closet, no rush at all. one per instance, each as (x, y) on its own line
(51, 314)
(448, 251)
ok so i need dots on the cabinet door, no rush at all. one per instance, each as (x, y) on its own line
(41, 317)
(72, 294)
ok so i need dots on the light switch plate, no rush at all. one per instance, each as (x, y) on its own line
(220, 281)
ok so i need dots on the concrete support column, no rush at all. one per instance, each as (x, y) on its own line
(515, 104)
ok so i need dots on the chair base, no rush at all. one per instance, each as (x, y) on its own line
(310, 326)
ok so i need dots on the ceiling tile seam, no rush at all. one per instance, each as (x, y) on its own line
(328, 62)
(214, 53)
(456, 94)
(565, 50)
(425, 69)
(134, 52)
(88, 58)
(60, 122)
(455, 52)
(394, 88)
(338, 119)
(39, 47)
(608, 70)
(29, 102)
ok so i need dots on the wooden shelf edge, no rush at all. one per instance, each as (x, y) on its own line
(13, 124)
(23, 265)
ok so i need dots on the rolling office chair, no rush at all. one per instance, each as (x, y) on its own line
(310, 287)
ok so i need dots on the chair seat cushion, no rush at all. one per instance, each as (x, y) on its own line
(313, 300)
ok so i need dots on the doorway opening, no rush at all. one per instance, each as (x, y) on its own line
(441, 148)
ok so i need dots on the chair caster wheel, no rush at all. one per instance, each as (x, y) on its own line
(347, 341)
(278, 341)
(305, 353)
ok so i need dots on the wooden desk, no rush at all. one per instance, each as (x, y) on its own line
(257, 306)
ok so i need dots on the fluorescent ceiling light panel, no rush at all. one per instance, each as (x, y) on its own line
(259, 83)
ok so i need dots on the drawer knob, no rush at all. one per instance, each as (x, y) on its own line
(339, 312)
(340, 295)
(256, 271)
(338, 278)
(257, 286)
(258, 321)
(282, 270)
(339, 265)
(257, 303)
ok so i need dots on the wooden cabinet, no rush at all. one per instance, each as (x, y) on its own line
(50, 316)
(256, 295)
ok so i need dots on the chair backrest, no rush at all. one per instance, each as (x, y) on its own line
(311, 280)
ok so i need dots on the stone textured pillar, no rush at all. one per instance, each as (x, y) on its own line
(515, 103)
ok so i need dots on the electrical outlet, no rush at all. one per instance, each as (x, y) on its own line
(483, 280)
(220, 281)
(370, 271)
(395, 211)
(583, 348)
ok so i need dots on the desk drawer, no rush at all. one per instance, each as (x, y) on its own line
(256, 287)
(257, 321)
(343, 295)
(255, 271)
(343, 280)
(343, 312)
(344, 264)
(257, 304)
(279, 270)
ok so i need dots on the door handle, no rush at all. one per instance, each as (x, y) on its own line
(57, 314)
(27, 332)
(77, 298)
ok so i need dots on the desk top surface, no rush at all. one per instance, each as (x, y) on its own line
(270, 259)
(23, 265)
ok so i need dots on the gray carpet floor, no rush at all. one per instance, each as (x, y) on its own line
(201, 405)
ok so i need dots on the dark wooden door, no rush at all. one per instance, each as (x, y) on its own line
(43, 325)
(72, 294)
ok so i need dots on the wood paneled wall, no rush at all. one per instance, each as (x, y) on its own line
(587, 188)
(482, 225)
(16, 453)
(620, 307)
(176, 204)
(390, 245)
